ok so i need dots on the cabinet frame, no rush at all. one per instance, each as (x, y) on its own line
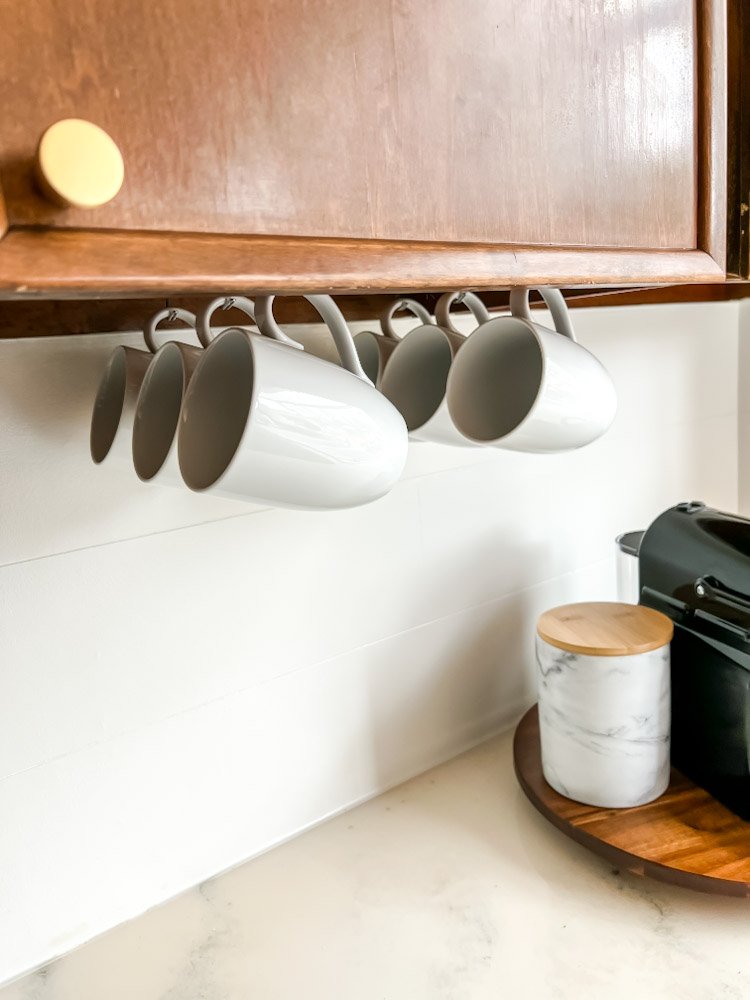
(86, 263)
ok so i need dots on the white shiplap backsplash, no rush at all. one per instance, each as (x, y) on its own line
(187, 681)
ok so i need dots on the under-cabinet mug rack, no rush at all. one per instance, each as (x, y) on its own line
(253, 414)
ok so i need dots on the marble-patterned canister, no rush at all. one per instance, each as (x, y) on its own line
(604, 702)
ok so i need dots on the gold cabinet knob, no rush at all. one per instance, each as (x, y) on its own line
(78, 164)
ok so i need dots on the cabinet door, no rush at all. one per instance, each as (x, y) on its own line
(434, 142)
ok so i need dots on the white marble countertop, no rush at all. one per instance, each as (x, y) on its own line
(450, 887)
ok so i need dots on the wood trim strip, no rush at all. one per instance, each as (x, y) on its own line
(712, 129)
(738, 138)
(66, 317)
(3, 214)
(735, 52)
(82, 263)
(656, 295)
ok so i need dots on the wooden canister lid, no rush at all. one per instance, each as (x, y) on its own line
(604, 628)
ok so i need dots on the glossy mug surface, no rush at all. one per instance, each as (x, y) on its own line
(521, 386)
(265, 422)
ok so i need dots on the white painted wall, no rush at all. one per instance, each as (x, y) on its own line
(187, 681)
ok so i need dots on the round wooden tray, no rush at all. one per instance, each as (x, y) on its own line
(685, 837)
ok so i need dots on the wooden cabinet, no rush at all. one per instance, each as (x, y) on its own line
(369, 144)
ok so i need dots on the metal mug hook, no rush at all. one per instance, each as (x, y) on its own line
(172, 314)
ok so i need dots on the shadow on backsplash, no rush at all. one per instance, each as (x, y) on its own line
(470, 674)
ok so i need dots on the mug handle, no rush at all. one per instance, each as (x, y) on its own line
(334, 320)
(472, 302)
(414, 307)
(247, 306)
(149, 330)
(555, 302)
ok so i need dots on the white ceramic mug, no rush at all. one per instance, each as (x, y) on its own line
(375, 349)
(157, 412)
(114, 407)
(518, 385)
(416, 376)
(264, 422)
(157, 409)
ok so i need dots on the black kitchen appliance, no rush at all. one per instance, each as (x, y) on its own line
(694, 566)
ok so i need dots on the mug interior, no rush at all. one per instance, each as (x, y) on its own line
(366, 346)
(108, 406)
(158, 411)
(496, 379)
(417, 374)
(217, 406)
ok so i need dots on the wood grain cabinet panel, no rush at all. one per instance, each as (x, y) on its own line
(492, 141)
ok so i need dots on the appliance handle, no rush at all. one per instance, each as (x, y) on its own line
(711, 589)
